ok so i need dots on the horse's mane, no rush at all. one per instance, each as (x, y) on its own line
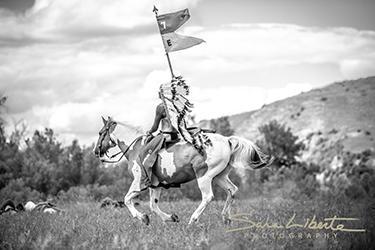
(127, 132)
(137, 129)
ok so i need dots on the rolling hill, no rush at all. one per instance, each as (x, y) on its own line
(339, 117)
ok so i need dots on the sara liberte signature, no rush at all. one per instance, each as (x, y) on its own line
(329, 223)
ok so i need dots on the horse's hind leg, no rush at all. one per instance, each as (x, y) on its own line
(205, 185)
(154, 205)
(223, 181)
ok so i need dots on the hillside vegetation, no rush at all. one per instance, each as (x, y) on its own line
(340, 115)
(336, 125)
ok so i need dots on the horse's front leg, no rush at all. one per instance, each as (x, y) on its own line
(134, 191)
(154, 205)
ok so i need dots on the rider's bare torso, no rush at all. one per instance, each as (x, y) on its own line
(161, 121)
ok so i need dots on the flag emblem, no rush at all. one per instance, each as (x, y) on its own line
(168, 24)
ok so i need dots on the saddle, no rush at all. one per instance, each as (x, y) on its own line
(193, 130)
(166, 144)
(196, 130)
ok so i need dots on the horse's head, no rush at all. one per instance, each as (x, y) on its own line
(106, 140)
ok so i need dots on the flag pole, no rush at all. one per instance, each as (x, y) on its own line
(170, 65)
(166, 53)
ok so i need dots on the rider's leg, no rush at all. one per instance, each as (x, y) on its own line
(148, 156)
(153, 155)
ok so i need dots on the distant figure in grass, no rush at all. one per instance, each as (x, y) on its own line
(193, 155)
(108, 202)
(8, 206)
(46, 207)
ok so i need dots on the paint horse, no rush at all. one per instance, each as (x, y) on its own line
(181, 163)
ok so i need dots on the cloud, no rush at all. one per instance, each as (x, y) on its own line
(240, 47)
(225, 100)
(63, 64)
(357, 68)
(58, 20)
(289, 90)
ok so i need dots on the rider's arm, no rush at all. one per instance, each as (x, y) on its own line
(160, 114)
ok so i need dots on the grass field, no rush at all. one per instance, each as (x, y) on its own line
(87, 226)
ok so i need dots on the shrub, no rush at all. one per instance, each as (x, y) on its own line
(222, 126)
(16, 190)
(280, 142)
(355, 192)
(75, 194)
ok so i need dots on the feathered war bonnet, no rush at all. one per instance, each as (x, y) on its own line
(174, 96)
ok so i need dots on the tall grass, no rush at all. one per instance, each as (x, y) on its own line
(87, 226)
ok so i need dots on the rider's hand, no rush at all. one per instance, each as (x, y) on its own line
(148, 133)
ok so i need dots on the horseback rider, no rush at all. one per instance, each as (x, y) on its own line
(167, 130)
(167, 134)
(171, 117)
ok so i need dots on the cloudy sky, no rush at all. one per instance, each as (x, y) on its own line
(65, 63)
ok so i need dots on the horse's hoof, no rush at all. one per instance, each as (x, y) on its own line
(145, 219)
(227, 221)
(192, 222)
(175, 218)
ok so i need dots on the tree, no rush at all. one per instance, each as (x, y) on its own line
(280, 142)
(2, 107)
(10, 159)
(91, 171)
(41, 161)
(69, 169)
(222, 126)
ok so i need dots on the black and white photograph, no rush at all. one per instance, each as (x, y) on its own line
(191, 124)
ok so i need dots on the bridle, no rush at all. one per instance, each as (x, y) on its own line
(123, 152)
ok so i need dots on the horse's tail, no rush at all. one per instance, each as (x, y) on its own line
(245, 154)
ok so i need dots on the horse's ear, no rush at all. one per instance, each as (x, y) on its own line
(109, 118)
(104, 121)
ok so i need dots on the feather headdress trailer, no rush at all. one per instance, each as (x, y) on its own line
(174, 95)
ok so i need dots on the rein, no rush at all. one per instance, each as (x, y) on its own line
(124, 152)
